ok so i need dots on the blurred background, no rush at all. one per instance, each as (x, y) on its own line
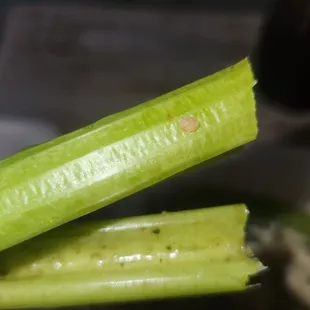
(65, 64)
(68, 63)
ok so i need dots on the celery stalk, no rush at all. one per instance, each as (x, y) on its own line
(73, 175)
(156, 256)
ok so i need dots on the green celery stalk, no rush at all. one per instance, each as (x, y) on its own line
(155, 256)
(73, 175)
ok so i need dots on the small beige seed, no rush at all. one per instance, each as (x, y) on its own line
(189, 124)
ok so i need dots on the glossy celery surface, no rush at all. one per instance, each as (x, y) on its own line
(58, 181)
(156, 256)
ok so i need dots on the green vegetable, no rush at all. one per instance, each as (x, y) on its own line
(156, 256)
(61, 180)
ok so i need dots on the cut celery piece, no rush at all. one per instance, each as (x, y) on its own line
(73, 175)
(155, 256)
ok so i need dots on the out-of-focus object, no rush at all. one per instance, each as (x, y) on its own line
(282, 58)
(281, 61)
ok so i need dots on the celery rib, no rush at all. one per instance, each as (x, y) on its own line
(73, 175)
(156, 256)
